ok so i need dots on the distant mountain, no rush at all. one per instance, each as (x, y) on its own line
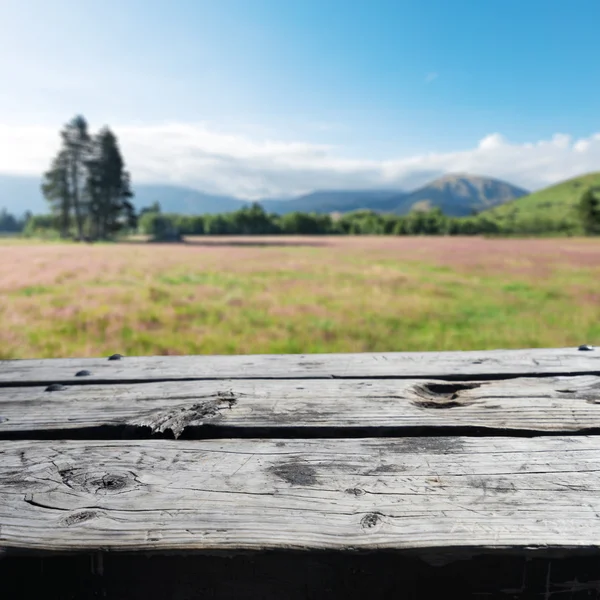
(329, 201)
(458, 195)
(19, 193)
(189, 201)
(554, 203)
(183, 200)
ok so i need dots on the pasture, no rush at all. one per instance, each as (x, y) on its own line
(296, 295)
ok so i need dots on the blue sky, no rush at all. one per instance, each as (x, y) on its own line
(269, 97)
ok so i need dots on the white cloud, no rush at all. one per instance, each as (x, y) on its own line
(198, 156)
(492, 142)
(581, 146)
(431, 77)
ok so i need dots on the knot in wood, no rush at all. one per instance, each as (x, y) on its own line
(355, 491)
(370, 520)
(101, 483)
(110, 483)
(442, 394)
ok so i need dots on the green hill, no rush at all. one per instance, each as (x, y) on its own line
(554, 204)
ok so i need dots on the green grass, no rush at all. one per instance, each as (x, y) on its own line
(351, 295)
(33, 290)
(556, 203)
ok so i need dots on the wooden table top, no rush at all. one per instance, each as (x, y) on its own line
(427, 452)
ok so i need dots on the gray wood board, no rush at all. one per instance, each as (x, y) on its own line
(551, 404)
(409, 493)
(452, 365)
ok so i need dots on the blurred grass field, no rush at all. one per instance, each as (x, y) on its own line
(297, 295)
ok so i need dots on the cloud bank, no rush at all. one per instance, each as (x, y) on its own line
(198, 156)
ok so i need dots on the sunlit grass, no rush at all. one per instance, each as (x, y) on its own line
(347, 295)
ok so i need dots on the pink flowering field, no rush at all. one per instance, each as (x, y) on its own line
(297, 295)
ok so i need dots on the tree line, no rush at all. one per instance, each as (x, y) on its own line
(9, 223)
(254, 220)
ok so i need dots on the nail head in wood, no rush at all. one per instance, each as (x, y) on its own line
(55, 387)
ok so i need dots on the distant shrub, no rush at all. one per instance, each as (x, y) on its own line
(160, 227)
(41, 226)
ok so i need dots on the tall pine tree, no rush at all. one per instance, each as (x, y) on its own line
(108, 187)
(77, 148)
(55, 188)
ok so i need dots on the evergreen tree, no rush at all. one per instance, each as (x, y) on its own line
(108, 187)
(589, 212)
(153, 208)
(87, 180)
(8, 222)
(55, 188)
(252, 220)
(76, 154)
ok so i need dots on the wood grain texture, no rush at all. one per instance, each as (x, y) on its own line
(451, 365)
(541, 405)
(408, 493)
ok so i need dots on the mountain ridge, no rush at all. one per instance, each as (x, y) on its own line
(460, 194)
(456, 194)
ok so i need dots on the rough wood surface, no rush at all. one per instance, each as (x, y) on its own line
(420, 493)
(549, 404)
(451, 365)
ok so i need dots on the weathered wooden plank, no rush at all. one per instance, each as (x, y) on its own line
(451, 365)
(408, 493)
(550, 404)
